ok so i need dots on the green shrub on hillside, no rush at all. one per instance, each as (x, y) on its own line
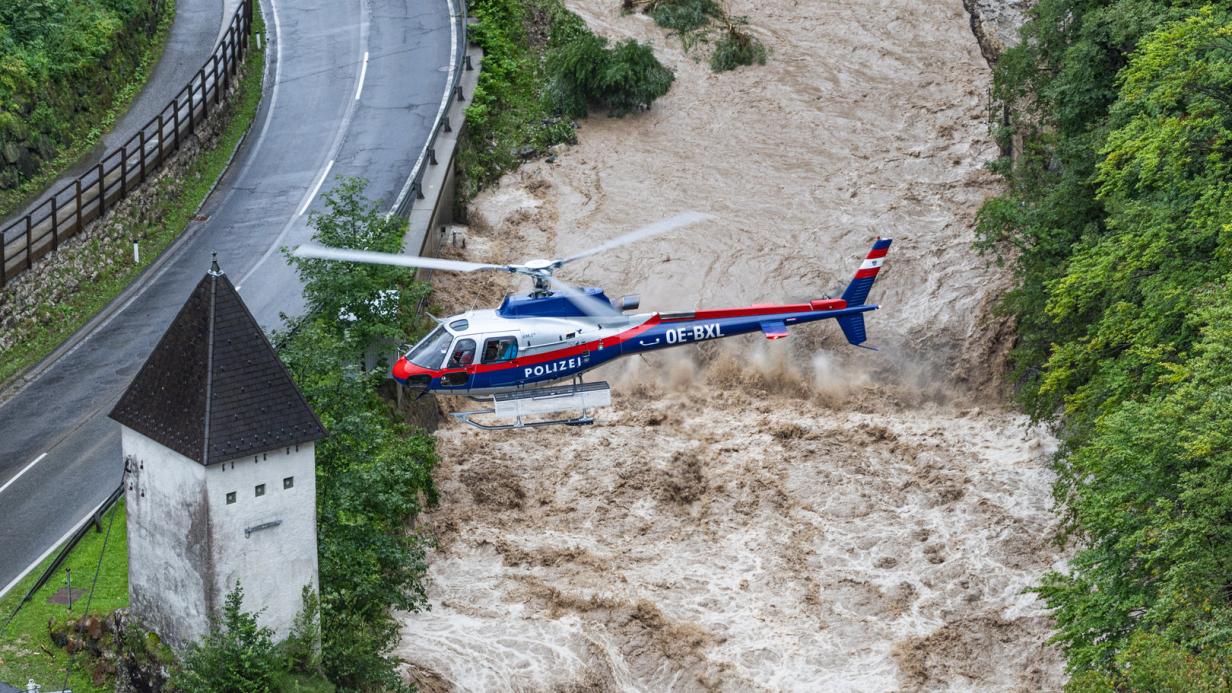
(624, 78)
(237, 656)
(1119, 226)
(62, 62)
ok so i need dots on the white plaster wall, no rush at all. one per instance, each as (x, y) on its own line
(169, 570)
(272, 564)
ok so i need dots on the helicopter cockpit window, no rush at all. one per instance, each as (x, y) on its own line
(430, 351)
(459, 325)
(463, 354)
(499, 349)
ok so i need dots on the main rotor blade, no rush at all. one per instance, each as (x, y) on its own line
(370, 257)
(663, 226)
(586, 303)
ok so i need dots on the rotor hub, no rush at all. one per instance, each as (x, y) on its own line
(540, 265)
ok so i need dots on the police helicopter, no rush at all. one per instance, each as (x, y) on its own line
(516, 356)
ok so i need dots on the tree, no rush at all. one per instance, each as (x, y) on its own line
(373, 471)
(1121, 215)
(237, 656)
(585, 70)
(363, 302)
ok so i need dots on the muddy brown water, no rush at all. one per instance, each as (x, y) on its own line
(796, 515)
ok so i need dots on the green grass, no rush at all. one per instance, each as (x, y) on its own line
(175, 203)
(13, 199)
(508, 120)
(26, 651)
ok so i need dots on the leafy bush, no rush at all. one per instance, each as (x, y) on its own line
(684, 16)
(624, 78)
(1152, 663)
(236, 657)
(301, 650)
(736, 48)
(633, 78)
(373, 471)
(577, 74)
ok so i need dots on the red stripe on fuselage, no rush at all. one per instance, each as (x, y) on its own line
(866, 273)
(607, 343)
(876, 253)
(751, 311)
(656, 319)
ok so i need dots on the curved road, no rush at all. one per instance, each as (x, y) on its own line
(327, 111)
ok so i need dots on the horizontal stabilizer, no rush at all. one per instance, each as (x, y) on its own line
(774, 329)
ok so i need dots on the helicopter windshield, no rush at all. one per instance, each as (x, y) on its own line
(430, 351)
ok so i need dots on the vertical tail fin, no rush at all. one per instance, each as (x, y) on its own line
(857, 291)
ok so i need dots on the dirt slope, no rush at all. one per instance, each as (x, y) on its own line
(749, 515)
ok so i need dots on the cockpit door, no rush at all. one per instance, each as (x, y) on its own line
(459, 364)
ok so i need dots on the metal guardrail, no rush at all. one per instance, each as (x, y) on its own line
(66, 212)
(413, 190)
(94, 520)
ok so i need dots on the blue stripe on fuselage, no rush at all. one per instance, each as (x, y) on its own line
(661, 336)
(675, 333)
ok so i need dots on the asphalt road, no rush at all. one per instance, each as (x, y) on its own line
(317, 117)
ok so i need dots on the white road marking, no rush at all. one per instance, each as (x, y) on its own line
(316, 188)
(55, 545)
(440, 112)
(18, 476)
(363, 71)
(279, 241)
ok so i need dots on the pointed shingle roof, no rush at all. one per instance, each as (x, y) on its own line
(214, 389)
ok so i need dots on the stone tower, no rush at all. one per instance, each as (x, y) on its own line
(218, 444)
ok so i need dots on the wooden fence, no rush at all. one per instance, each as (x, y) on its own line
(66, 212)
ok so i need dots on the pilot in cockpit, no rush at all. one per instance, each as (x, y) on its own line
(463, 354)
(491, 351)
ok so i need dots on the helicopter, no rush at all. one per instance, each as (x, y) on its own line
(516, 356)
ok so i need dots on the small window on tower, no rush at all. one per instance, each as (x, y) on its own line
(288, 482)
(259, 490)
(230, 497)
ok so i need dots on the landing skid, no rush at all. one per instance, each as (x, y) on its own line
(579, 396)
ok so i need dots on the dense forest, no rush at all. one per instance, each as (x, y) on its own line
(1118, 224)
(62, 63)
